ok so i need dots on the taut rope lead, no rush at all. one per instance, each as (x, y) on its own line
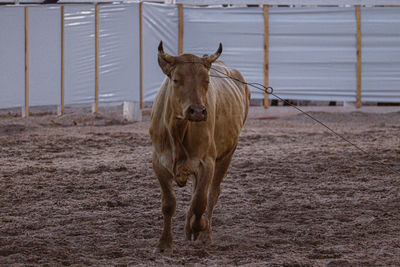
(269, 90)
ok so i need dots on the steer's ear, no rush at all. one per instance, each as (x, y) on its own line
(165, 61)
(215, 56)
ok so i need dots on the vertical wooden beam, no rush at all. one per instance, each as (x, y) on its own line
(96, 96)
(266, 50)
(358, 17)
(180, 44)
(141, 53)
(26, 64)
(62, 61)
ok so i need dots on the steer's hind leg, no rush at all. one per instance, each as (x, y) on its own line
(168, 206)
(221, 169)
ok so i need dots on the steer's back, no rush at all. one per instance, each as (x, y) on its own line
(232, 105)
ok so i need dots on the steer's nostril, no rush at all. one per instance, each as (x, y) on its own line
(204, 112)
(191, 110)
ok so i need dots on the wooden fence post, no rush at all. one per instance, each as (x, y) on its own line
(266, 50)
(141, 53)
(25, 110)
(61, 112)
(96, 36)
(358, 17)
(180, 40)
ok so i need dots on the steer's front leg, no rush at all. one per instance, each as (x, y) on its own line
(168, 206)
(196, 223)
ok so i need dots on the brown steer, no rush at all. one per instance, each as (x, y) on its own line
(195, 125)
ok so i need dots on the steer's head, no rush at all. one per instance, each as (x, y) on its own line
(189, 79)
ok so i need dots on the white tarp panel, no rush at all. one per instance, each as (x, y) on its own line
(119, 53)
(380, 54)
(12, 57)
(312, 53)
(241, 32)
(79, 54)
(59, 2)
(44, 55)
(160, 22)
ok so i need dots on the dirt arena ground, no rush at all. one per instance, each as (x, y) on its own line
(80, 190)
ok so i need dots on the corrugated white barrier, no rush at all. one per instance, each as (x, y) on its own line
(380, 54)
(12, 57)
(79, 23)
(241, 32)
(44, 55)
(312, 51)
(160, 22)
(119, 71)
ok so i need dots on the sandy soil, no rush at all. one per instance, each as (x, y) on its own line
(80, 190)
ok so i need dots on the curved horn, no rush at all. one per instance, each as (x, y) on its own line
(215, 56)
(163, 55)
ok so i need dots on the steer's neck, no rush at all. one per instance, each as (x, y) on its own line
(177, 126)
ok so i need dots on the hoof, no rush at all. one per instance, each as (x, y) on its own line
(163, 247)
(204, 238)
(162, 250)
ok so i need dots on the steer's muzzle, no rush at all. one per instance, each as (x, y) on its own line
(197, 113)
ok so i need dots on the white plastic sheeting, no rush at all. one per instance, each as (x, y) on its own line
(44, 56)
(79, 23)
(312, 53)
(160, 22)
(119, 71)
(380, 54)
(12, 57)
(241, 32)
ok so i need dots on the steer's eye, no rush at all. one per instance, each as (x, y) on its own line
(175, 81)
